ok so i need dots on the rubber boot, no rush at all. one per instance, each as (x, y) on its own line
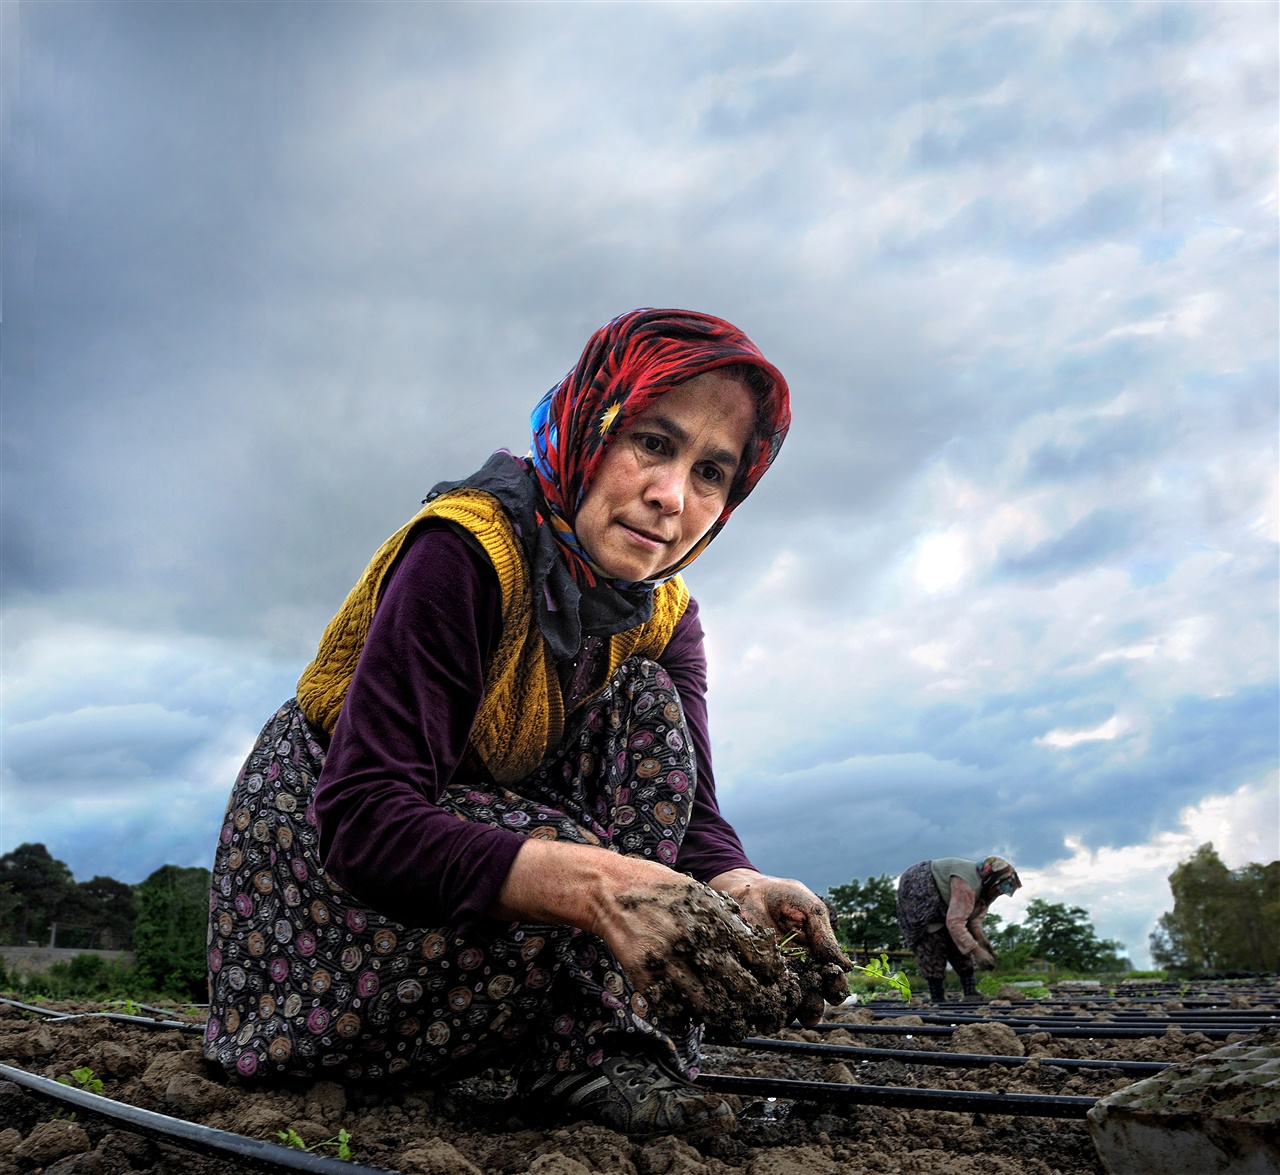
(938, 991)
(969, 993)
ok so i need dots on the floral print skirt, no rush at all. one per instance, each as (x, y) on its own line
(306, 981)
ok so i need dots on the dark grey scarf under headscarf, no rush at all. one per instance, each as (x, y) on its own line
(564, 613)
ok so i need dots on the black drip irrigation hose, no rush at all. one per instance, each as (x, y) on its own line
(1102, 1031)
(905, 1098)
(1259, 996)
(250, 1153)
(263, 1156)
(1078, 1016)
(953, 1060)
(1154, 1025)
(1168, 997)
(122, 1017)
(1139, 1017)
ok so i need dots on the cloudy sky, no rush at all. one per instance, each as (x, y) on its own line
(270, 270)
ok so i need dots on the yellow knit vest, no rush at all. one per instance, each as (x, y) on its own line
(521, 719)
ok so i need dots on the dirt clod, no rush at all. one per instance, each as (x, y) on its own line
(993, 1040)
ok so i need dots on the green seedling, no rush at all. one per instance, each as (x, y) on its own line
(129, 1007)
(879, 969)
(340, 1144)
(792, 952)
(82, 1079)
(874, 969)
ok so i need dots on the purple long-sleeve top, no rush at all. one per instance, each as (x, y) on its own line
(403, 730)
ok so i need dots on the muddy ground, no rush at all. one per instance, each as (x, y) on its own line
(473, 1127)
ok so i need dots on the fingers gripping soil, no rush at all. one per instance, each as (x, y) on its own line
(808, 917)
(792, 909)
(718, 970)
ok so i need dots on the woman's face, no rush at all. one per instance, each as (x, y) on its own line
(665, 478)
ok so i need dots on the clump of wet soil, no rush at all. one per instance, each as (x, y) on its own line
(818, 984)
(721, 971)
(476, 1127)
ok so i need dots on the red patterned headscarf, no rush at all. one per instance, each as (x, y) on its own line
(627, 365)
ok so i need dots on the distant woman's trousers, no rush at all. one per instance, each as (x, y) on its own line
(304, 980)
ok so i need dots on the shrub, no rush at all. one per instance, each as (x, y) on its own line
(85, 977)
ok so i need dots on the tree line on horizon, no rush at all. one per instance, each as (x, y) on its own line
(163, 919)
(1222, 920)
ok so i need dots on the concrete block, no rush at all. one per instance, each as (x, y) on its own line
(1216, 1115)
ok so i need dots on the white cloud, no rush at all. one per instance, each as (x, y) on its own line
(119, 748)
(1126, 888)
(942, 562)
(1112, 728)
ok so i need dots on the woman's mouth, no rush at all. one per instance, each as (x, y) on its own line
(652, 541)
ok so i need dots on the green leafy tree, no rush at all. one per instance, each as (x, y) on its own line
(1257, 922)
(110, 907)
(1015, 943)
(867, 914)
(10, 910)
(1064, 936)
(169, 934)
(39, 882)
(1222, 919)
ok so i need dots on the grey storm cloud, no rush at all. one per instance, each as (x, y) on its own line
(1098, 536)
(1104, 446)
(985, 786)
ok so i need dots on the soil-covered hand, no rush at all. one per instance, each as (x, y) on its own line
(690, 953)
(984, 959)
(798, 916)
(787, 907)
(682, 944)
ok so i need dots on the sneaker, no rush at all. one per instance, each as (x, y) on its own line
(630, 1094)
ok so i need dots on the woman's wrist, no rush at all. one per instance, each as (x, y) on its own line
(735, 881)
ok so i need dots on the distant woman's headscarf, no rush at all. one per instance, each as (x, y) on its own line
(627, 365)
(999, 876)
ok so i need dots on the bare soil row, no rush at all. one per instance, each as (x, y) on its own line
(475, 1126)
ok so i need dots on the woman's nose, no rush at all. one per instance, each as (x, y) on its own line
(666, 490)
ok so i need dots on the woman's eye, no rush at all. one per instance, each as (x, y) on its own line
(654, 444)
(712, 473)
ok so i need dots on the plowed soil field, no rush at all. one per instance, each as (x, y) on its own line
(475, 1126)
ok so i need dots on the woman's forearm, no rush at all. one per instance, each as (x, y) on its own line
(960, 910)
(567, 884)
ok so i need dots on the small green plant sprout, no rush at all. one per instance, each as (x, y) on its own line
(340, 1144)
(128, 1006)
(790, 951)
(875, 968)
(82, 1079)
(879, 969)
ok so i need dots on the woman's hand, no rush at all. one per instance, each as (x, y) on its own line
(787, 907)
(984, 959)
(641, 909)
(793, 911)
